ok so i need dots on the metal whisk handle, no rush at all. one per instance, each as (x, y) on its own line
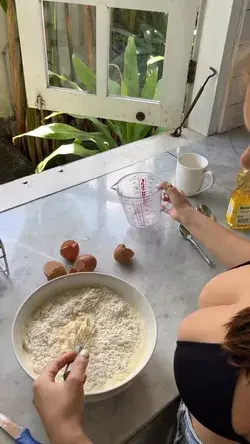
(68, 368)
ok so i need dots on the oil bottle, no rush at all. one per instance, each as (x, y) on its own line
(238, 213)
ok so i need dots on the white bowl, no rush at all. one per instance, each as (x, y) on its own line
(78, 280)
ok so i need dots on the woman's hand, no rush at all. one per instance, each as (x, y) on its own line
(180, 204)
(60, 405)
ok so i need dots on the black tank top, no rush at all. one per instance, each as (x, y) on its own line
(206, 382)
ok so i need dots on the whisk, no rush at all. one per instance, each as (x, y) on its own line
(78, 350)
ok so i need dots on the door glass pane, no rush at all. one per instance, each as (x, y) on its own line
(70, 31)
(137, 47)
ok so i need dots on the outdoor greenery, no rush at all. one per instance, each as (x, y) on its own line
(106, 134)
(136, 61)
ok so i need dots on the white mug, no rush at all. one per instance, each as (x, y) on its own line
(191, 173)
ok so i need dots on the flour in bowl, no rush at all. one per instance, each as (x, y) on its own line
(70, 318)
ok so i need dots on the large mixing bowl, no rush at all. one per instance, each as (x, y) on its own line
(78, 280)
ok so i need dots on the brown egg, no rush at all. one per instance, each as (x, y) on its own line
(69, 250)
(72, 270)
(54, 269)
(122, 254)
(86, 262)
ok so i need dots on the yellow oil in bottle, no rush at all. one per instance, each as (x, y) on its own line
(238, 212)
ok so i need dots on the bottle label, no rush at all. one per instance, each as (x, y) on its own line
(243, 216)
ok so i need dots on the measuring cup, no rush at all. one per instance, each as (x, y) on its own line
(140, 199)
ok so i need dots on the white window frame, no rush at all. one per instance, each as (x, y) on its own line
(167, 112)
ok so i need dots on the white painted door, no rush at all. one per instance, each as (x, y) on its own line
(122, 59)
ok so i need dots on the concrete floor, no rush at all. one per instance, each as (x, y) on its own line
(161, 430)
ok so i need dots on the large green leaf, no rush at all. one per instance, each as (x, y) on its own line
(4, 5)
(59, 113)
(59, 131)
(157, 94)
(141, 131)
(149, 88)
(65, 79)
(120, 129)
(114, 88)
(155, 59)
(115, 128)
(124, 89)
(130, 74)
(102, 142)
(72, 148)
(102, 128)
(84, 74)
(159, 130)
(129, 131)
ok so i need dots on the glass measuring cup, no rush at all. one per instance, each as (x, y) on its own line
(140, 199)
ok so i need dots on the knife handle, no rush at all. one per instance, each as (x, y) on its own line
(26, 438)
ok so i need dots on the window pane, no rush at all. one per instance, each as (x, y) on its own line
(137, 48)
(70, 31)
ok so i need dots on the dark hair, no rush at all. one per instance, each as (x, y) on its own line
(237, 340)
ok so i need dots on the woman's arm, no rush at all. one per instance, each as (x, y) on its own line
(228, 247)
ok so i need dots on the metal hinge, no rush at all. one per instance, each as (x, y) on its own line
(40, 102)
(191, 71)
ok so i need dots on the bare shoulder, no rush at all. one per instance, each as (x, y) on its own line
(207, 324)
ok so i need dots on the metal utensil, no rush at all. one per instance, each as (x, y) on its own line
(187, 235)
(3, 256)
(78, 350)
(20, 434)
(204, 209)
(68, 367)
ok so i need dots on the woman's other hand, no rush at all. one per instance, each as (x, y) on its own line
(245, 159)
(180, 204)
(60, 405)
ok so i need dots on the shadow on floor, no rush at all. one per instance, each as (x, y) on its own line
(161, 430)
(13, 164)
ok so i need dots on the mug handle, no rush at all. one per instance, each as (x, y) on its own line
(212, 180)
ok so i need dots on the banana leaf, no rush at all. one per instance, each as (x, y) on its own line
(72, 148)
(149, 88)
(59, 131)
(130, 74)
(65, 79)
(84, 74)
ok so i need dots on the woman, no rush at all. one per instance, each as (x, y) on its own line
(212, 359)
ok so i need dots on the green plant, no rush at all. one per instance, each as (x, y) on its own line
(106, 134)
(149, 30)
(4, 5)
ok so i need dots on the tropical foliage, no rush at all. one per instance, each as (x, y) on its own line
(107, 134)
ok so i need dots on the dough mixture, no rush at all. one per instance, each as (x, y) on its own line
(114, 330)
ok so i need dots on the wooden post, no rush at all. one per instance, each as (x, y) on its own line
(19, 95)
